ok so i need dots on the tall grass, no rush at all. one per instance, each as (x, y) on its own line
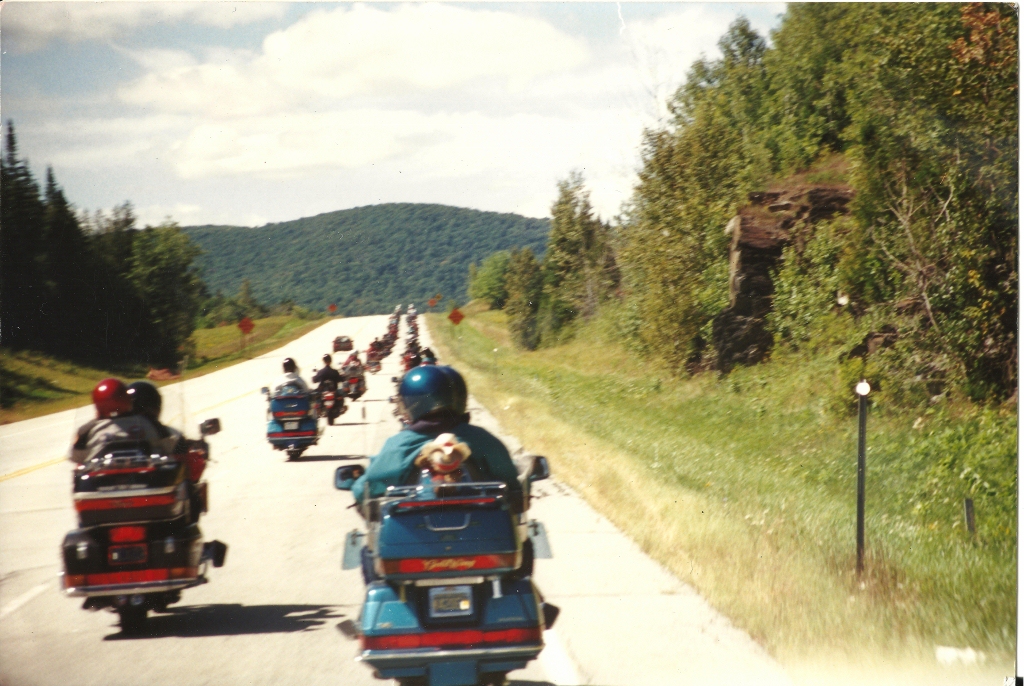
(745, 487)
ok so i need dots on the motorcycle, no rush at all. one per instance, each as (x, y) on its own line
(353, 383)
(448, 566)
(330, 403)
(138, 545)
(292, 420)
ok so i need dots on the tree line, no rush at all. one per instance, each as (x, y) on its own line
(912, 106)
(94, 287)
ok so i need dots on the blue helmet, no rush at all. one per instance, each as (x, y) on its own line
(427, 389)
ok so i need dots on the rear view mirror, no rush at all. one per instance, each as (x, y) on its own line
(345, 477)
(541, 470)
(265, 391)
(210, 427)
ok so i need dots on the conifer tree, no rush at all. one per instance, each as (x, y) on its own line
(523, 285)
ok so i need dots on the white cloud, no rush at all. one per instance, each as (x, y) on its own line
(30, 26)
(330, 56)
(362, 104)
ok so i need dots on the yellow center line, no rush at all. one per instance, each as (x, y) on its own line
(33, 468)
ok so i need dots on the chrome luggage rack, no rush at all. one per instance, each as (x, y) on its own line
(125, 459)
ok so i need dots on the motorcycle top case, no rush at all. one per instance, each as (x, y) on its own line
(289, 407)
(129, 486)
(102, 551)
(433, 537)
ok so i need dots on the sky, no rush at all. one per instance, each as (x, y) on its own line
(246, 113)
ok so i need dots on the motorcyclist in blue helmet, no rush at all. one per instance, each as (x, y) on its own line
(432, 399)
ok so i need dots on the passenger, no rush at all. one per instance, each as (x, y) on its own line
(115, 424)
(147, 402)
(290, 378)
(433, 402)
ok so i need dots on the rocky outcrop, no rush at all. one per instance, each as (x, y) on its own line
(760, 231)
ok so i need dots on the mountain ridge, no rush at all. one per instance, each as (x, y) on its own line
(364, 259)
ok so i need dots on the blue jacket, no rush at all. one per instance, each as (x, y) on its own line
(394, 463)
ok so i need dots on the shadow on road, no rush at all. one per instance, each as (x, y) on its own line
(326, 458)
(232, 619)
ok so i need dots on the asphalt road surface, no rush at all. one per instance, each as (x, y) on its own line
(271, 614)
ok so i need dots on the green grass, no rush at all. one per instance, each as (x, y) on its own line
(745, 487)
(33, 384)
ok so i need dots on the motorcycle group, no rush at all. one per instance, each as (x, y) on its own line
(446, 550)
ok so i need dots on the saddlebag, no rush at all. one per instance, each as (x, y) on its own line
(105, 555)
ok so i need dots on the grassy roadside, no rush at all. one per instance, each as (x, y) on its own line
(34, 384)
(744, 487)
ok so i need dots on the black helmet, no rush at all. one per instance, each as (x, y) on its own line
(289, 365)
(145, 398)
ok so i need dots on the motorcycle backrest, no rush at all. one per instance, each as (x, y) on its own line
(210, 427)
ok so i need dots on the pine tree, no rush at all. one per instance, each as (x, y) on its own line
(523, 285)
(22, 288)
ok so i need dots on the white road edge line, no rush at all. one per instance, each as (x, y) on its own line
(556, 662)
(24, 599)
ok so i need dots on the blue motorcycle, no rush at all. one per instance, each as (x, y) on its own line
(449, 596)
(291, 420)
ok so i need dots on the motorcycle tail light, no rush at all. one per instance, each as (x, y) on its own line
(353, 380)
(183, 572)
(446, 639)
(127, 534)
(73, 580)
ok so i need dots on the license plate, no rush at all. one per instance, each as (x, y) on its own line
(291, 426)
(127, 554)
(451, 601)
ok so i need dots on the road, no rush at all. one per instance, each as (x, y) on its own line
(271, 614)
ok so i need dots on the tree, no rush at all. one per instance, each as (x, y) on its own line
(488, 281)
(22, 288)
(163, 271)
(579, 266)
(523, 283)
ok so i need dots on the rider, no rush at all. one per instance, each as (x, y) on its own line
(433, 401)
(428, 357)
(290, 377)
(116, 423)
(327, 375)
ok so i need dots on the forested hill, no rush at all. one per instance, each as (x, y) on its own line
(365, 259)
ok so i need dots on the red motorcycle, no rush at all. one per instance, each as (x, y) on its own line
(331, 404)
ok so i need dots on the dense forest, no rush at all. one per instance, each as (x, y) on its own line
(365, 259)
(93, 288)
(912, 108)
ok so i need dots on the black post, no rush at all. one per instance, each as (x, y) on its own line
(861, 467)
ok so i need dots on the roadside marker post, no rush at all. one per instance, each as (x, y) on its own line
(862, 389)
